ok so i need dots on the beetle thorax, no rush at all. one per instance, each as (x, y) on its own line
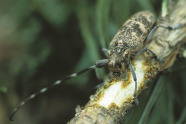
(118, 59)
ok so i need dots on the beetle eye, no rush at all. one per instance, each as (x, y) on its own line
(116, 73)
(118, 65)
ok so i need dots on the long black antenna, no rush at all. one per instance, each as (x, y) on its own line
(99, 64)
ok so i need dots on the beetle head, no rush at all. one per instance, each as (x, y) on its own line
(118, 57)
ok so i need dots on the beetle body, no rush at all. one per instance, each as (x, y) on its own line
(129, 40)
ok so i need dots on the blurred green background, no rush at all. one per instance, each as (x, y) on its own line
(42, 41)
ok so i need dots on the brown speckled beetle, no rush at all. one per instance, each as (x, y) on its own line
(130, 41)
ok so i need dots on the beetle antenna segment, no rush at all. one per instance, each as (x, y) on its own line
(99, 64)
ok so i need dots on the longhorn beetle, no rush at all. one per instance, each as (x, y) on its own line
(127, 43)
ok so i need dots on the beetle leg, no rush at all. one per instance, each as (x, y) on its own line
(149, 37)
(153, 54)
(135, 79)
(98, 75)
(105, 51)
(100, 64)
